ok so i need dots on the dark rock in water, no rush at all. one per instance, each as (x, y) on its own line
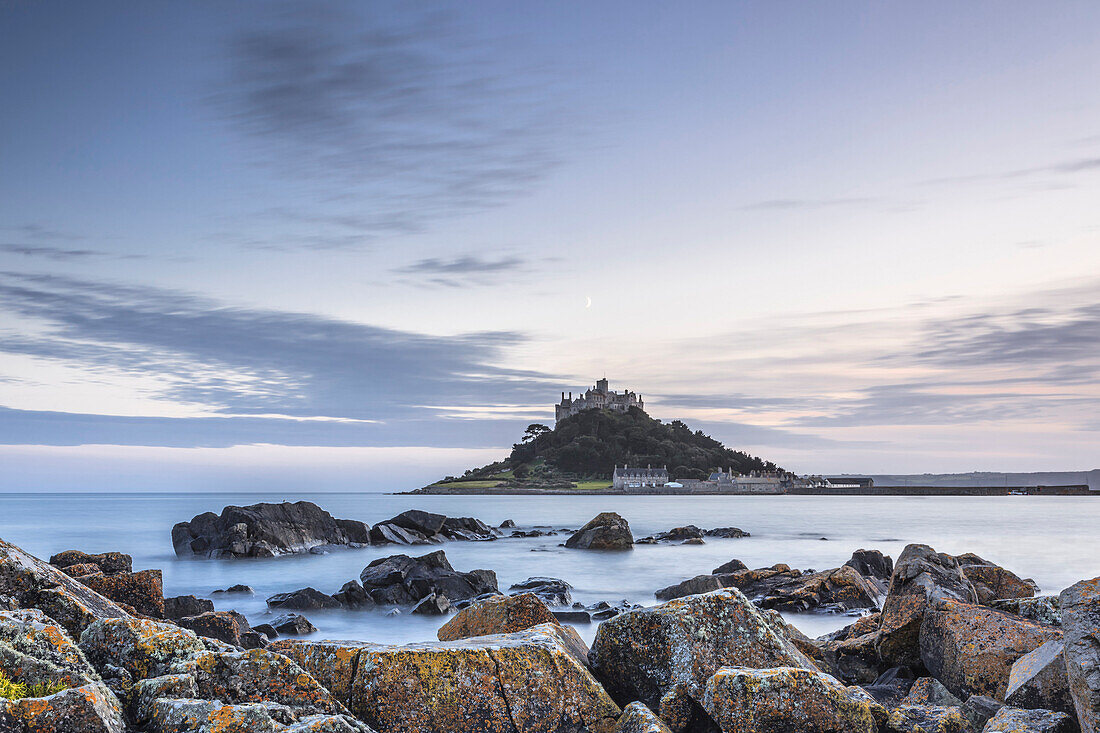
(358, 533)
(909, 717)
(921, 577)
(1044, 609)
(507, 524)
(267, 630)
(1015, 720)
(303, 599)
(573, 616)
(253, 640)
(433, 604)
(466, 528)
(239, 588)
(293, 624)
(532, 533)
(690, 587)
(353, 595)
(727, 532)
(603, 610)
(180, 606)
(421, 522)
(225, 626)
(606, 531)
(693, 541)
(400, 579)
(729, 567)
(676, 534)
(784, 589)
(385, 533)
(978, 709)
(107, 562)
(1081, 620)
(872, 564)
(467, 602)
(263, 530)
(1038, 680)
(551, 591)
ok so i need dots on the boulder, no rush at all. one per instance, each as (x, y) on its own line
(992, 582)
(729, 567)
(637, 718)
(978, 709)
(143, 591)
(1038, 680)
(292, 624)
(139, 647)
(32, 583)
(839, 589)
(690, 587)
(227, 626)
(421, 522)
(238, 588)
(263, 530)
(90, 708)
(1044, 609)
(105, 562)
(34, 649)
(921, 576)
(676, 534)
(1081, 620)
(605, 531)
(872, 564)
(854, 659)
(400, 579)
(930, 691)
(391, 534)
(908, 718)
(497, 615)
(971, 649)
(303, 599)
(507, 524)
(213, 716)
(267, 630)
(1015, 720)
(521, 682)
(353, 595)
(892, 686)
(785, 699)
(551, 591)
(727, 532)
(466, 528)
(433, 604)
(179, 606)
(642, 654)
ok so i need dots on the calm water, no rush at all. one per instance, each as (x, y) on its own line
(1050, 539)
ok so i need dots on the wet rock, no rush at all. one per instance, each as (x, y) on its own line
(292, 624)
(227, 626)
(507, 524)
(1038, 680)
(579, 616)
(694, 541)
(353, 595)
(433, 604)
(971, 648)
(303, 599)
(1015, 720)
(263, 530)
(690, 587)
(1081, 620)
(35, 649)
(930, 691)
(642, 654)
(466, 528)
(400, 579)
(921, 576)
(637, 718)
(729, 567)
(909, 718)
(239, 588)
(785, 699)
(105, 562)
(91, 708)
(424, 523)
(551, 591)
(179, 606)
(267, 630)
(676, 534)
(606, 531)
(142, 591)
(1044, 609)
(384, 533)
(727, 532)
(978, 709)
(839, 589)
(32, 583)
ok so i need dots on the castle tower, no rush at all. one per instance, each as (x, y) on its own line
(601, 386)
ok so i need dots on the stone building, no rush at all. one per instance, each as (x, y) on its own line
(597, 398)
(637, 478)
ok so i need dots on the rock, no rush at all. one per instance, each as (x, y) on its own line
(693, 541)
(179, 606)
(727, 532)
(1081, 620)
(106, 562)
(239, 588)
(920, 577)
(466, 528)
(872, 564)
(839, 589)
(909, 718)
(1044, 609)
(1038, 680)
(253, 640)
(424, 523)
(433, 604)
(79, 571)
(690, 587)
(384, 534)
(1015, 720)
(227, 626)
(142, 591)
(854, 659)
(303, 599)
(978, 709)
(606, 531)
(35, 649)
(892, 686)
(522, 682)
(992, 582)
(729, 567)
(507, 524)
(573, 617)
(785, 699)
(642, 654)
(676, 534)
(637, 718)
(400, 579)
(141, 648)
(551, 591)
(91, 708)
(35, 584)
(267, 630)
(353, 595)
(497, 615)
(358, 533)
(292, 624)
(930, 691)
(971, 648)
(263, 530)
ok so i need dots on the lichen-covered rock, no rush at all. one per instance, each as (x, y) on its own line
(497, 615)
(921, 577)
(784, 699)
(992, 582)
(912, 718)
(81, 570)
(637, 718)
(1016, 720)
(1044, 609)
(91, 708)
(332, 663)
(105, 562)
(145, 693)
(35, 649)
(839, 589)
(1081, 620)
(930, 691)
(213, 716)
(1038, 680)
(143, 590)
(642, 654)
(605, 531)
(971, 648)
(141, 648)
(854, 660)
(227, 626)
(36, 584)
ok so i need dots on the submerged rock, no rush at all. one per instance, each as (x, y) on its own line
(606, 531)
(551, 591)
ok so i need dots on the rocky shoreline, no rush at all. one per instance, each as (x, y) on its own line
(944, 644)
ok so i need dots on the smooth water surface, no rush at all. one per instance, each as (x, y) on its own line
(1053, 540)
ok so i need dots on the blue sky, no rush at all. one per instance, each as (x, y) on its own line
(305, 241)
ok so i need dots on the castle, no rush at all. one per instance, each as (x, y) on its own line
(597, 398)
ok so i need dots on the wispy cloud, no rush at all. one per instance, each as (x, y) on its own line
(62, 254)
(795, 204)
(1062, 168)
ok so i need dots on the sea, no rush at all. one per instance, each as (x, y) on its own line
(1053, 540)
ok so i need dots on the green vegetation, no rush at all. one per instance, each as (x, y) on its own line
(12, 690)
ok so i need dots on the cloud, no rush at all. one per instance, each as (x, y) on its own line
(61, 254)
(389, 115)
(793, 204)
(1064, 168)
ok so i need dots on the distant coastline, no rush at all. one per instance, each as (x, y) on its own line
(457, 489)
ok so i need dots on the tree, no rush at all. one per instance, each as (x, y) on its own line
(535, 431)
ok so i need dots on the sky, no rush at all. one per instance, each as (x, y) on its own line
(353, 245)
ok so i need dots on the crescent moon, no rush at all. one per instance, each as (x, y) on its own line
(587, 301)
